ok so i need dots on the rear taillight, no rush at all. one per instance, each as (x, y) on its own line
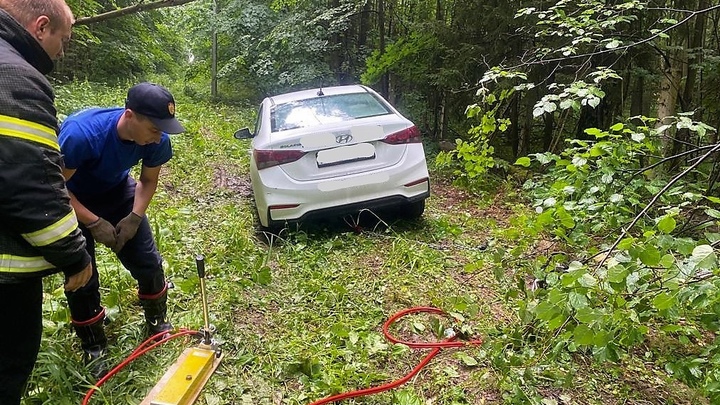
(270, 158)
(407, 135)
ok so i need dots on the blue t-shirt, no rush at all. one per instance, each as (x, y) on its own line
(90, 144)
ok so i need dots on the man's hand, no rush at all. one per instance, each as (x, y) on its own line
(126, 229)
(103, 232)
(78, 280)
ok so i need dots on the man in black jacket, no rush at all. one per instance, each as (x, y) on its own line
(39, 234)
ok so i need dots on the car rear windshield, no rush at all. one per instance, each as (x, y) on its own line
(325, 109)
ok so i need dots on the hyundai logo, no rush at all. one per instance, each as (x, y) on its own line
(346, 138)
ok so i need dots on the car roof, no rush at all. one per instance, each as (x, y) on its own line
(312, 93)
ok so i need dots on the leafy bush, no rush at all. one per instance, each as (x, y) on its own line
(657, 282)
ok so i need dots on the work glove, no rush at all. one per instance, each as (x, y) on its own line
(126, 229)
(78, 280)
(103, 232)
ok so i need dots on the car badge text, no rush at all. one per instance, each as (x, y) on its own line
(343, 138)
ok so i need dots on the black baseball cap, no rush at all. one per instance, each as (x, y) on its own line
(156, 103)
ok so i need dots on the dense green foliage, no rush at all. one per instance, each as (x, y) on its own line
(657, 282)
(118, 50)
(632, 204)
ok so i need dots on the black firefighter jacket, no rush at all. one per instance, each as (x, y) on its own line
(39, 232)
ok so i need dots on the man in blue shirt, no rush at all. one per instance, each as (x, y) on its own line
(100, 146)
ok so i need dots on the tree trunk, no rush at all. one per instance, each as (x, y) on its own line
(694, 58)
(384, 80)
(639, 101)
(364, 26)
(337, 49)
(668, 91)
(441, 121)
(673, 64)
(548, 128)
(517, 138)
(548, 119)
(214, 56)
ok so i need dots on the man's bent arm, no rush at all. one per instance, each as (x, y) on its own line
(145, 189)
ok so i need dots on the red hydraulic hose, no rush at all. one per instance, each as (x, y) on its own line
(435, 346)
(143, 348)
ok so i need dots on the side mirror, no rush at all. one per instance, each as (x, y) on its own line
(243, 134)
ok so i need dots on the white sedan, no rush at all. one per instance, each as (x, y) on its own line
(334, 151)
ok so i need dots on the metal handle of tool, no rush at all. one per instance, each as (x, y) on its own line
(200, 262)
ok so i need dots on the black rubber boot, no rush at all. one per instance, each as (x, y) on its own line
(155, 307)
(94, 344)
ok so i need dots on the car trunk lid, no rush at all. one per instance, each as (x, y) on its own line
(343, 148)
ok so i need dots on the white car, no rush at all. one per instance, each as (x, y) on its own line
(334, 151)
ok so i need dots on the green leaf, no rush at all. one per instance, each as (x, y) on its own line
(713, 213)
(523, 161)
(650, 256)
(263, 276)
(671, 328)
(613, 44)
(593, 132)
(617, 274)
(577, 301)
(703, 257)
(602, 338)
(566, 219)
(467, 360)
(626, 243)
(556, 322)
(376, 344)
(565, 104)
(666, 224)
(596, 151)
(587, 280)
(543, 158)
(575, 265)
(451, 372)
(588, 315)
(667, 261)
(549, 106)
(583, 335)
(663, 301)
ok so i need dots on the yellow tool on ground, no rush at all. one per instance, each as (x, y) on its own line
(184, 380)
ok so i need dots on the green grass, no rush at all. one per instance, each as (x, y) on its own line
(300, 314)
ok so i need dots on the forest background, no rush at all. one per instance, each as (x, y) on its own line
(601, 118)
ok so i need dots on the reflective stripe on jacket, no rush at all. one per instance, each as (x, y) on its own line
(20, 264)
(28, 130)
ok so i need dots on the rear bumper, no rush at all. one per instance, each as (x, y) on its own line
(280, 199)
(373, 205)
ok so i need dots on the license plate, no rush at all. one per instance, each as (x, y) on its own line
(345, 154)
